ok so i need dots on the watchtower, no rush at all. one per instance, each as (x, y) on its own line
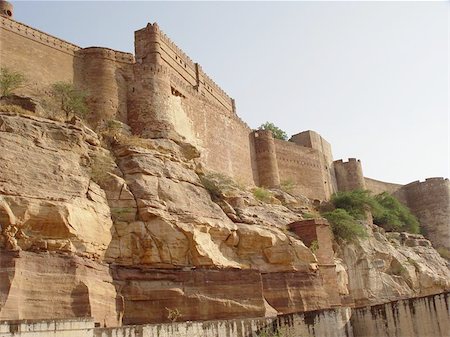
(6, 9)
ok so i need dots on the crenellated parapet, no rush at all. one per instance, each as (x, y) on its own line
(36, 35)
(153, 46)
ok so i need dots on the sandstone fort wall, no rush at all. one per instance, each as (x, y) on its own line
(45, 60)
(349, 175)
(377, 186)
(171, 97)
(163, 93)
(301, 165)
(42, 58)
(105, 74)
(430, 202)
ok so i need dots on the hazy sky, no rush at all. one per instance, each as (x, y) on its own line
(371, 77)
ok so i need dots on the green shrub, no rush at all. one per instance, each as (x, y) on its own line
(357, 203)
(392, 215)
(262, 194)
(9, 81)
(276, 131)
(386, 210)
(287, 185)
(308, 216)
(173, 314)
(276, 333)
(217, 184)
(314, 246)
(71, 99)
(345, 226)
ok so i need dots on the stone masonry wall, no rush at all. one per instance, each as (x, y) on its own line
(302, 166)
(45, 60)
(430, 202)
(171, 97)
(104, 74)
(378, 187)
(42, 58)
(349, 175)
(75, 327)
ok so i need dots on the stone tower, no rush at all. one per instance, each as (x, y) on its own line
(266, 159)
(6, 9)
(149, 107)
(349, 175)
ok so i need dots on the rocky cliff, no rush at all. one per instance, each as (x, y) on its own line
(124, 230)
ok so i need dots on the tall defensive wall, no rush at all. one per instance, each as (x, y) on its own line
(161, 92)
(430, 202)
(45, 60)
(172, 97)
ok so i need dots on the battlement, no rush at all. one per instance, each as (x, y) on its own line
(431, 180)
(349, 160)
(180, 54)
(163, 50)
(109, 54)
(37, 35)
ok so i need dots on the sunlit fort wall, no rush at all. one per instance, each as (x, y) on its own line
(161, 92)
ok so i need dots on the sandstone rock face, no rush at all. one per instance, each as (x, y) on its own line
(172, 222)
(44, 286)
(132, 233)
(388, 266)
(47, 200)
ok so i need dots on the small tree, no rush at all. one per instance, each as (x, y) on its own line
(10, 81)
(72, 100)
(276, 131)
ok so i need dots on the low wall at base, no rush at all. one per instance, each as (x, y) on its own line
(330, 323)
(76, 327)
(416, 317)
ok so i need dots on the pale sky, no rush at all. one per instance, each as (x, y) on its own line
(371, 77)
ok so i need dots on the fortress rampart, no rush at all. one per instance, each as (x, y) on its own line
(377, 186)
(430, 202)
(45, 60)
(161, 93)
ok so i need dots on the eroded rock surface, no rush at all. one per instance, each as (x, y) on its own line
(47, 200)
(141, 237)
(388, 266)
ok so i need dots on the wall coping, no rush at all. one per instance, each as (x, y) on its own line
(37, 35)
(427, 180)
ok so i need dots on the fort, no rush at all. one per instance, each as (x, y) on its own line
(161, 93)
(146, 242)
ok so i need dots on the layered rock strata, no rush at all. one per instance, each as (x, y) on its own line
(129, 234)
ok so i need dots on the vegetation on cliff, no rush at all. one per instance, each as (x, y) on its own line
(9, 81)
(353, 206)
(72, 100)
(276, 131)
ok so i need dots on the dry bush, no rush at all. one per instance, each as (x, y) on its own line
(100, 167)
(262, 194)
(15, 109)
(218, 184)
